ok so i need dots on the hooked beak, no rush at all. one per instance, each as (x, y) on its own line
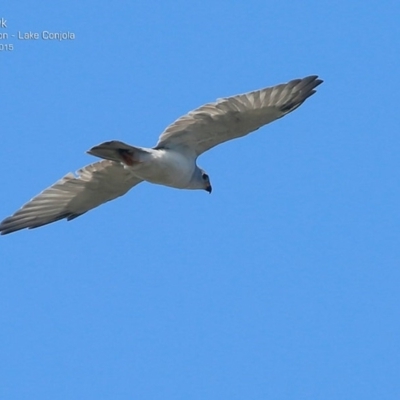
(209, 189)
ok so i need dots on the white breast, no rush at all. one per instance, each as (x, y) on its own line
(167, 167)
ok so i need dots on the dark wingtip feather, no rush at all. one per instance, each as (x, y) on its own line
(305, 87)
(12, 224)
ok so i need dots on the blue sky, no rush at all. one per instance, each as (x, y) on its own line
(282, 284)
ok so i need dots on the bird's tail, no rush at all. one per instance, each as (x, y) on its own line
(120, 152)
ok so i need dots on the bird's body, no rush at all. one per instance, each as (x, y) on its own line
(169, 168)
(160, 166)
(172, 162)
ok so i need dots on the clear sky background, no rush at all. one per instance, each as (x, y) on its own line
(281, 284)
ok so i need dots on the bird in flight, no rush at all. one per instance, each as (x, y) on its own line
(172, 162)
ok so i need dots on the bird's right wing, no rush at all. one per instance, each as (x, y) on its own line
(236, 116)
(73, 195)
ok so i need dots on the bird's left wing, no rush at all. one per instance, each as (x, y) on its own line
(73, 195)
(236, 116)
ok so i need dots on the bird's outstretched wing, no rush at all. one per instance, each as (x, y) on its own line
(73, 195)
(236, 116)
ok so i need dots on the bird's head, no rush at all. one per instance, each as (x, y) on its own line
(206, 180)
(200, 180)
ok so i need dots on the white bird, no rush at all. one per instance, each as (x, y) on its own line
(172, 162)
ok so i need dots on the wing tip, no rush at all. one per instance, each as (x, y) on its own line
(303, 88)
(11, 224)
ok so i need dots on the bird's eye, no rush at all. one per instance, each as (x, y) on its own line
(205, 177)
